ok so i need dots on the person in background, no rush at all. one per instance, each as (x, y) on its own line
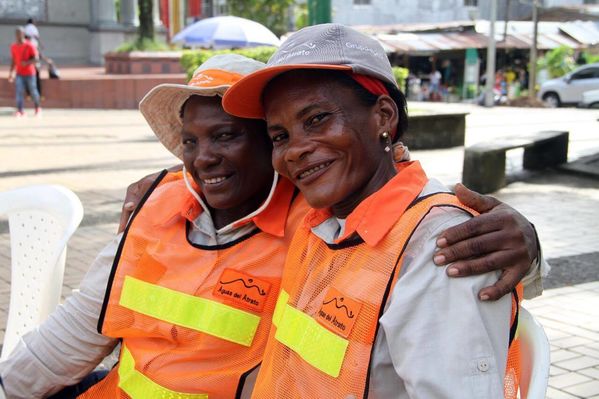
(33, 34)
(24, 56)
(435, 79)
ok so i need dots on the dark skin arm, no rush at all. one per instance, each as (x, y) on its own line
(11, 77)
(135, 193)
(498, 239)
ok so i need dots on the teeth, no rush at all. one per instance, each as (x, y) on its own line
(314, 169)
(215, 180)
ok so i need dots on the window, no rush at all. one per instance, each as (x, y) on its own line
(470, 3)
(589, 73)
(362, 2)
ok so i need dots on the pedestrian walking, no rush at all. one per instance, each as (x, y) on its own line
(22, 71)
(33, 35)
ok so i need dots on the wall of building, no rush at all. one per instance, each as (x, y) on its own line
(69, 12)
(72, 31)
(518, 9)
(380, 12)
(561, 3)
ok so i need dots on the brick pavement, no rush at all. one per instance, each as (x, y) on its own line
(97, 153)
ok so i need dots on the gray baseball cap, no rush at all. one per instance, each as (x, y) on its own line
(326, 46)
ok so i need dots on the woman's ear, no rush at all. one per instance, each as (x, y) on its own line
(387, 114)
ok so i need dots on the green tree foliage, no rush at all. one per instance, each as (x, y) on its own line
(145, 40)
(558, 61)
(274, 14)
(590, 58)
(401, 76)
(301, 16)
(192, 59)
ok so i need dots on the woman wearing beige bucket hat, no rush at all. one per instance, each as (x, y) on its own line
(362, 311)
(195, 276)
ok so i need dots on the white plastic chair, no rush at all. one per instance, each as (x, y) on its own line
(534, 357)
(41, 219)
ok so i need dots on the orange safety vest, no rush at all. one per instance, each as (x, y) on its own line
(326, 319)
(193, 320)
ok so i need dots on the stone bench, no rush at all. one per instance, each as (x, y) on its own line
(484, 163)
(435, 130)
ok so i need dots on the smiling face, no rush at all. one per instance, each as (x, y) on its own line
(326, 140)
(228, 157)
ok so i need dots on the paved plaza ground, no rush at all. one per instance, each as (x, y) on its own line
(98, 153)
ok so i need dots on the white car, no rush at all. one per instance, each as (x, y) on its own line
(569, 88)
(590, 99)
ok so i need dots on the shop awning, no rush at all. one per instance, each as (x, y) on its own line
(519, 36)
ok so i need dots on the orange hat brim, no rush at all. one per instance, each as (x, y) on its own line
(244, 98)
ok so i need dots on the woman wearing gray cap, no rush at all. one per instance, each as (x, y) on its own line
(362, 311)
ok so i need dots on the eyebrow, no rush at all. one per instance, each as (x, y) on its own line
(303, 112)
(300, 114)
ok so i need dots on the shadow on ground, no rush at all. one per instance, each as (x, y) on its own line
(571, 270)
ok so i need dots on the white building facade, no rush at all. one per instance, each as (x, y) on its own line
(385, 12)
(72, 31)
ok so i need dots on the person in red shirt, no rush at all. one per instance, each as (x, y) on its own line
(24, 57)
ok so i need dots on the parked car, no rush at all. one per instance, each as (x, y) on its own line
(590, 99)
(569, 88)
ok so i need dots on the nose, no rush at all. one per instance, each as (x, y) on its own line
(298, 148)
(205, 158)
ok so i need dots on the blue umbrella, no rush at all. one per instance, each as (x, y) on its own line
(226, 32)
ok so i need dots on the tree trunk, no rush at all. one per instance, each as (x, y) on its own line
(146, 20)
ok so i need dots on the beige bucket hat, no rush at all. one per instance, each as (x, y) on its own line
(161, 106)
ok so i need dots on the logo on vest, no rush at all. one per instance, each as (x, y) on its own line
(338, 313)
(242, 289)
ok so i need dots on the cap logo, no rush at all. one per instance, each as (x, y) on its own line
(362, 48)
(294, 51)
(310, 45)
(214, 78)
(200, 79)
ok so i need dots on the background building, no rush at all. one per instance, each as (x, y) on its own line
(81, 31)
(381, 12)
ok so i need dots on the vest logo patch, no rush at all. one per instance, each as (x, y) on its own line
(242, 289)
(338, 312)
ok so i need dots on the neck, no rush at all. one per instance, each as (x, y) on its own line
(224, 217)
(385, 172)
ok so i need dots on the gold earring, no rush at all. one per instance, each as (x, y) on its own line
(385, 136)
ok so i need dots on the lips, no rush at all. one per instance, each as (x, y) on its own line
(306, 173)
(214, 180)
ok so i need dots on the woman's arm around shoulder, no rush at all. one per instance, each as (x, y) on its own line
(444, 342)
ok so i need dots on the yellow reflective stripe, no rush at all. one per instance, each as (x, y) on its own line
(138, 386)
(312, 342)
(200, 314)
(280, 307)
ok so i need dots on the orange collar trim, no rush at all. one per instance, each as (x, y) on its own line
(271, 220)
(374, 217)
